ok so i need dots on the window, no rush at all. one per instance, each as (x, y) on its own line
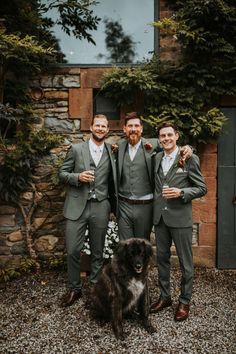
(126, 22)
(105, 105)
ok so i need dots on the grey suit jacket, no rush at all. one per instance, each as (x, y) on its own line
(149, 152)
(77, 161)
(189, 179)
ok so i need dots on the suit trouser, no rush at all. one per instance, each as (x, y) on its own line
(182, 238)
(135, 220)
(95, 216)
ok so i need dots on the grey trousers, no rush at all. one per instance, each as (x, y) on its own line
(182, 238)
(95, 216)
(135, 220)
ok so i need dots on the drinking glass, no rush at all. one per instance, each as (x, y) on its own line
(165, 186)
(92, 183)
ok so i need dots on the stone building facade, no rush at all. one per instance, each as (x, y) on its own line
(63, 104)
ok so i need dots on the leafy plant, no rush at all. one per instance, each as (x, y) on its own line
(186, 91)
(28, 265)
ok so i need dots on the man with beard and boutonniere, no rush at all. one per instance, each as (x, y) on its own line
(136, 180)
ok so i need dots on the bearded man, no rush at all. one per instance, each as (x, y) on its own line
(136, 179)
(88, 171)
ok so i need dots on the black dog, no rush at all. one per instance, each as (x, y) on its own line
(122, 286)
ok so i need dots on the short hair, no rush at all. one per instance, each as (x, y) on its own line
(99, 116)
(132, 115)
(166, 125)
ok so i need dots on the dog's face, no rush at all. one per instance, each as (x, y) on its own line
(135, 254)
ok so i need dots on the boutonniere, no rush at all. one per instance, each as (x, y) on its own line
(114, 148)
(180, 163)
(148, 146)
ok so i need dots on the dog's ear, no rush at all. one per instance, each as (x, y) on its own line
(121, 250)
(148, 248)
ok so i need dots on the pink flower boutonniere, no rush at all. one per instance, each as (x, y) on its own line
(148, 146)
(114, 147)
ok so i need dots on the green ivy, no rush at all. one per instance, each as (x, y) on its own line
(187, 91)
(28, 265)
(20, 159)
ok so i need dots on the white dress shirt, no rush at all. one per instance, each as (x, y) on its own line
(96, 151)
(133, 150)
(168, 160)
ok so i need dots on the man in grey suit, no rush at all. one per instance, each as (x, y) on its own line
(136, 180)
(88, 171)
(176, 184)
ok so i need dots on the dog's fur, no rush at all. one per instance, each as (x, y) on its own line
(122, 286)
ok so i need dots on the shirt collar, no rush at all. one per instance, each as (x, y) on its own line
(136, 146)
(95, 147)
(173, 154)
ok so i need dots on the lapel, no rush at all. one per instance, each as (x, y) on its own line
(86, 155)
(172, 171)
(121, 153)
(147, 158)
(158, 159)
(103, 159)
(112, 159)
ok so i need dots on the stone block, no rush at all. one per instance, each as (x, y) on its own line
(19, 248)
(66, 81)
(46, 81)
(56, 95)
(4, 251)
(57, 125)
(7, 210)
(7, 220)
(15, 236)
(56, 110)
(45, 243)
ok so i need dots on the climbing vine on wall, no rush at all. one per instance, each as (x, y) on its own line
(187, 90)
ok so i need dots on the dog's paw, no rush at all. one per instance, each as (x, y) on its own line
(120, 336)
(150, 328)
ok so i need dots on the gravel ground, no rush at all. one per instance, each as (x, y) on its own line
(33, 323)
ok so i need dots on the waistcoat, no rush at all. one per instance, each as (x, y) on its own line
(102, 172)
(135, 180)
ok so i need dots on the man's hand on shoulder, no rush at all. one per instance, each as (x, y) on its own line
(186, 152)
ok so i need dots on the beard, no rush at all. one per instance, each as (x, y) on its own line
(97, 138)
(133, 138)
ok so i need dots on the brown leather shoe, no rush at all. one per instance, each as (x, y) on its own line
(182, 312)
(160, 304)
(70, 297)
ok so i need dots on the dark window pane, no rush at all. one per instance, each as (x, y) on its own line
(105, 105)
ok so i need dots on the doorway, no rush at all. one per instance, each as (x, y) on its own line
(226, 228)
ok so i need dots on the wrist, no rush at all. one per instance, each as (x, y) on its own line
(181, 194)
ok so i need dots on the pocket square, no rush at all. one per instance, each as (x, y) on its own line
(180, 170)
